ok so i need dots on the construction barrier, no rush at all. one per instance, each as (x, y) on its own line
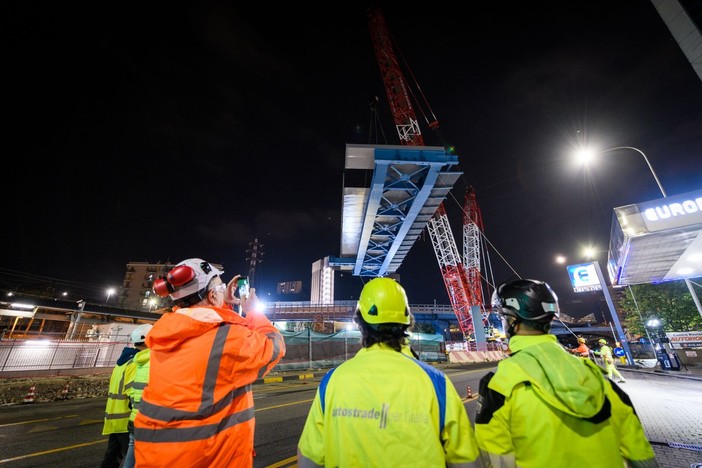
(475, 356)
(30, 395)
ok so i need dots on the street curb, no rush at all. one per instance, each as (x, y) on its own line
(281, 378)
(677, 374)
(292, 375)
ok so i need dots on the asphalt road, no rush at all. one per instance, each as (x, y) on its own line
(66, 434)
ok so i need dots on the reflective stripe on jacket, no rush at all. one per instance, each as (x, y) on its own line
(197, 410)
(605, 353)
(141, 379)
(544, 407)
(117, 406)
(583, 350)
(384, 408)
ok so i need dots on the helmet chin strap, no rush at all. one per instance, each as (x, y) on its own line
(192, 299)
(511, 324)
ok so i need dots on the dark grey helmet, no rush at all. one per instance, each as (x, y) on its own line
(526, 299)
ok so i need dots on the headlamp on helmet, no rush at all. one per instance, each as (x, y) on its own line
(383, 300)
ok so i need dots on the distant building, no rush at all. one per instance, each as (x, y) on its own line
(322, 282)
(135, 292)
(289, 287)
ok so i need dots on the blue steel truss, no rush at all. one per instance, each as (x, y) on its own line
(407, 185)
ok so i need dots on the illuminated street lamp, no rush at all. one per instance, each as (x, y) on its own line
(584, 155)
(653, 324)
(109, 292)
(590, 252)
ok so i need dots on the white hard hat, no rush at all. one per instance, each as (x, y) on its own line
(187, 281)
(138, 335)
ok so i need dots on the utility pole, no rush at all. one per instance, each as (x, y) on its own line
(254, 254)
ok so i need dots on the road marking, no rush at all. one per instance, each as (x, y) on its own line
(285, 463)
(285, 404)
(39, 420)
(46, 452)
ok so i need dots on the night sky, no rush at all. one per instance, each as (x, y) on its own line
(153, 132)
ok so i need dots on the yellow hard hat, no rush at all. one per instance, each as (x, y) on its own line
(581, 340)
(383, 300)
(602, 340)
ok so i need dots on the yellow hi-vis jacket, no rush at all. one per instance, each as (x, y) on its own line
(141, 379)
(383, 408)
(198, 408)
(117, 406)
(544, 407)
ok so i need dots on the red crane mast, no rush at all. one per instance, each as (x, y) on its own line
(399, 96)
(472, 230)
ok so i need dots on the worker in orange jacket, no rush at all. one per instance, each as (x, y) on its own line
(197, 409)
(582, 350)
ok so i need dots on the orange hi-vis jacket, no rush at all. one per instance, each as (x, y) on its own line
(582, 350)
(197, 409)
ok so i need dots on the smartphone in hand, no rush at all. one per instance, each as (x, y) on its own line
(242, 287)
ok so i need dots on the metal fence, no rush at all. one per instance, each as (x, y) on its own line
(28, 355)
(305, 349)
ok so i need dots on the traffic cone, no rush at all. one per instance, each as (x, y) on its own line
(469, 393)
(30, 395)
(64, 392)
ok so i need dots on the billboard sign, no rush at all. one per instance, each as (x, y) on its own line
(681, 340)
(672, 212)
(583, 277)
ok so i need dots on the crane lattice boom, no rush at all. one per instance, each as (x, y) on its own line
(451, 267)
(398, 94)
(472, 228)
(396, 88)
(472, 232)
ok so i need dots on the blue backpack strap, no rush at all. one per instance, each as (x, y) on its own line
(438, 379)
(323, 387)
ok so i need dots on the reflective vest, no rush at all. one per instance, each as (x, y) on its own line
(605, 353)
(117, 406)
(543, 407)
(384, 408)
(582, 350)
(198, 410)
(141, 378)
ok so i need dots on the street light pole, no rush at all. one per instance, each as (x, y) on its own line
(613, 312)
(688, 283)
(645, 159)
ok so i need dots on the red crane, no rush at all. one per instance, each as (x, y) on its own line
(400, 97)
(472, 229)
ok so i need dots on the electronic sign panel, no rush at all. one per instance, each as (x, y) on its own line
(583, 277)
